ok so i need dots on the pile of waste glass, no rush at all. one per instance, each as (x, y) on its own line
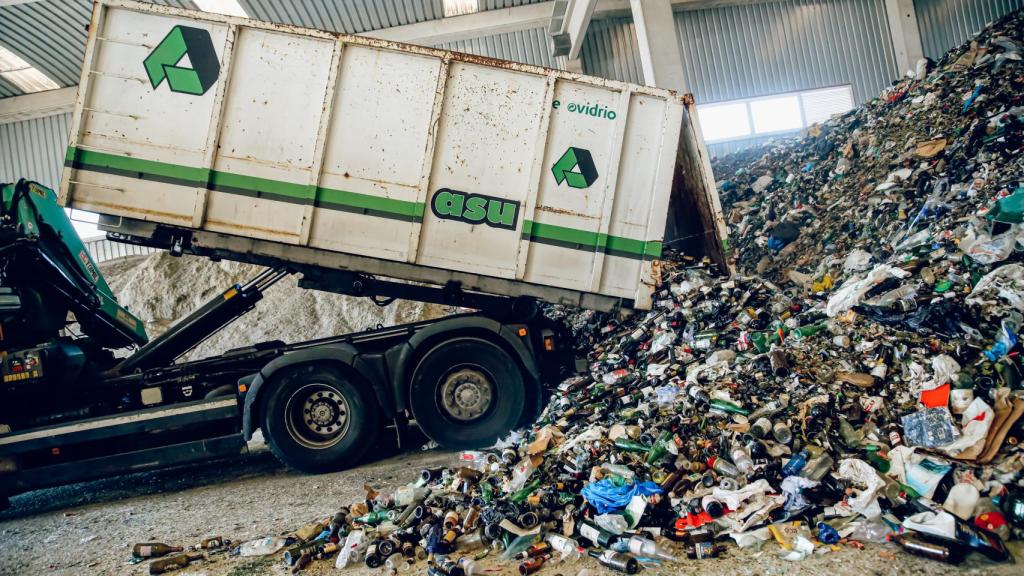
(856, 380)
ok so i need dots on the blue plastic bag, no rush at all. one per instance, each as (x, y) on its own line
(606, 497)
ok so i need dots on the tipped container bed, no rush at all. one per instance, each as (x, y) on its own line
(412, 163)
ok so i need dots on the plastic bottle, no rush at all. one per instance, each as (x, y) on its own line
(614, 523)
(741, 458)
(619, 470)
(352, 550)
(795, 464)
(263, 546)
(480, 461)
(468, 566)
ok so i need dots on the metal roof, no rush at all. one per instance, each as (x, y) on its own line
(352, 16)
(51, 34)
(526, 46)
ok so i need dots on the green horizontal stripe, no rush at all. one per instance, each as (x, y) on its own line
(366, 202)
(592, 241)
(241, 184)
(142, 167)
(227, 182)
(331, 198)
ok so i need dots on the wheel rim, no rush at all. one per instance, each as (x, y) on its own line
(466, 393)
(317, 416)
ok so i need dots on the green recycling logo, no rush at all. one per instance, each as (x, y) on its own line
(575, 168)
(163, 62)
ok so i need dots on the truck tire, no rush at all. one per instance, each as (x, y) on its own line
(467, 393)
(318, 420)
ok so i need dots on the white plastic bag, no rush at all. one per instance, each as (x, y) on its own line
(853, 290)
(1006, 282)
(861, 474)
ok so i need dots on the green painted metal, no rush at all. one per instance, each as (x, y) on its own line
(37, 215)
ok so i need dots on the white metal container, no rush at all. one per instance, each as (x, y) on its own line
(358, 153)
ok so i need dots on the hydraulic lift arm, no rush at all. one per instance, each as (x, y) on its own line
(201, 324)
(46, 271)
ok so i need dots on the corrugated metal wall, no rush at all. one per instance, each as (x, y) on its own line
(750, 50)
(948, 23)
(527, 46)
(352, 16)
(772, 47)
(498, 4)
(34, 149)
(758, 49)
(610, 50)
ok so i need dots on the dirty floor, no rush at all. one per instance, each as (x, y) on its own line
(89, 528)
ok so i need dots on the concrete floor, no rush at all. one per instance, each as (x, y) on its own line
(89, 528)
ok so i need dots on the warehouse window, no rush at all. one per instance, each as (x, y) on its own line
(776, 114)
(22, 74)
(229, 7)
(460, 7)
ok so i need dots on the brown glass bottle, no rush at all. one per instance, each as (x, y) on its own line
(153, 549)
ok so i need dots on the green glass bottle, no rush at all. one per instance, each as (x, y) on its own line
(760, 341)
(809, 330)
(523, 493)
(876, 460)
(730, 407)
(373, 518)
(623, 443)
(660, 447)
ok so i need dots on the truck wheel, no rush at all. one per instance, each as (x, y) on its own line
(317, 420)
(467, 393)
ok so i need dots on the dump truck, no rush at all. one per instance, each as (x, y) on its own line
(369, 168)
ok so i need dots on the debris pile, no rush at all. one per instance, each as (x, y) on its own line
(161, 289)
(858, 381)
(922, 164)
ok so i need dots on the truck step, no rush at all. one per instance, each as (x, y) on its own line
(138, 422)
(105, 466)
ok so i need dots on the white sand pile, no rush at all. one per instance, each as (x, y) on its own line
(160, 289)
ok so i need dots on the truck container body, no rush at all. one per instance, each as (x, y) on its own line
(390, 159)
